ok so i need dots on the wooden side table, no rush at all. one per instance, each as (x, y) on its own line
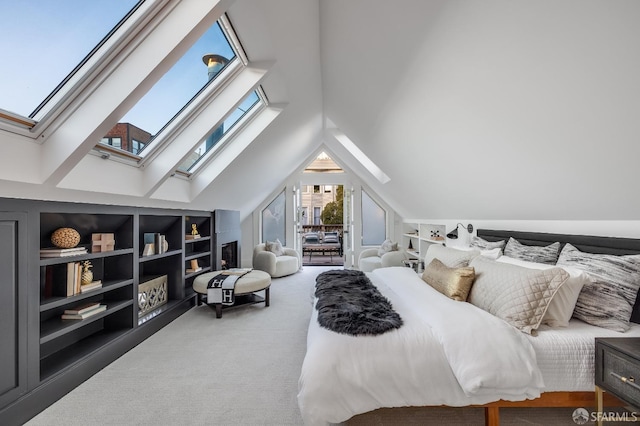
(617, 370)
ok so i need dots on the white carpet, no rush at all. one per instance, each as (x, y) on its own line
(241, 369)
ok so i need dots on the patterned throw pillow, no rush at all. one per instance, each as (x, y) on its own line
(486, 245)
(540, 254)
(274, 247)
(386, 247)
(518, 295)
(563, 303)
(453, 258)
(607, 301)
(454, 283)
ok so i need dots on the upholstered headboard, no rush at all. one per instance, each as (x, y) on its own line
(586, 243)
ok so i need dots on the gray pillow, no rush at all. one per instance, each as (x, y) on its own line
(539, 254)
(387, 246)
(607, 300)
(486, 245)
(518, 295)
(274, 247)
(453, 258)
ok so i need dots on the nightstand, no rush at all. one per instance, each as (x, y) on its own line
(618, 370)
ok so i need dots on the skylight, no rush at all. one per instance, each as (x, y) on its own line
(323, 163)
(44, 43)
(199, 66)
(254, 99)
(372, 167)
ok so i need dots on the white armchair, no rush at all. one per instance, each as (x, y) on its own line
(370, 260)
(276, 266)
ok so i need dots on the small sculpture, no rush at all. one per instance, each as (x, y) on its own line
(194, 230)
(87, 274)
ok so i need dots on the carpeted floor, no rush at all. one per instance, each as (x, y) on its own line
(241, 369)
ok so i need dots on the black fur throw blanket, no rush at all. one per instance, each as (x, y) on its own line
(349, 303)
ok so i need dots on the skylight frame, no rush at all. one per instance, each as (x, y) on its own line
(169, 131)
(55, 107)
(260, 105)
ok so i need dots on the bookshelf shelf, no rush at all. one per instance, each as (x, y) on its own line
(107, 286)
(56, 327)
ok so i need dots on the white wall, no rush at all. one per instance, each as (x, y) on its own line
(499, 110)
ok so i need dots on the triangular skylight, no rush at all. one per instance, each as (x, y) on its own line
(323, 163)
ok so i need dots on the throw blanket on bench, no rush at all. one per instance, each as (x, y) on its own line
(349, 303)
(221, 288)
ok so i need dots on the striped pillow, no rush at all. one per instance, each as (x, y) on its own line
(606, 301)
(483, 244)
(539, 254)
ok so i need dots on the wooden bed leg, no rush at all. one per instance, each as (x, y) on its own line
(599, 403)
(491, 416)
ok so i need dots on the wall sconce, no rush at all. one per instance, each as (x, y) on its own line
(454, 234)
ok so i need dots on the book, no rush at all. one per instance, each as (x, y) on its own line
(58, 252)
(190, 270)
(236, 271)
(192, 237)
(87, 314)
(71, 278)
(81, 309)
(93, 286)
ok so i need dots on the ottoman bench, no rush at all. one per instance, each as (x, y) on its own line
(245, 288)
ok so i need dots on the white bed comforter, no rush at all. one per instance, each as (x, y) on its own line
(446, 353)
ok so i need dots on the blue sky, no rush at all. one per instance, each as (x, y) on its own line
(43, 40)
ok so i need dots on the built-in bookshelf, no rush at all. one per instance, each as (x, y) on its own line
(167, 262)
(44, 355)
(63, 342)
(197, 249)
(417, 237)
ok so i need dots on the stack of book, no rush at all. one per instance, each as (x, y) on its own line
(83, 311)
(91, 286)
(62, 252)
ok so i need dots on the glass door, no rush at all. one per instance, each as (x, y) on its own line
(347, 232)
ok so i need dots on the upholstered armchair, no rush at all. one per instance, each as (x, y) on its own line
(280, 265)
(372, 258)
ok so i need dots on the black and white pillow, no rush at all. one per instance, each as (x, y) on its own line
(539, 254)
(483, 244)
(607, 301)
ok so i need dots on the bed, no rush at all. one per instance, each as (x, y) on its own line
(436, 357)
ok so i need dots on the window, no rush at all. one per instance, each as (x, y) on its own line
(198, 67)
(273, 220)
(44, 43)
(249, 103)
(114, 142)
(317, 215)
(316, 189)
(305, 215)
(374, 219)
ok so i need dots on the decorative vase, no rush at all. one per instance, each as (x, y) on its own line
(65, 238)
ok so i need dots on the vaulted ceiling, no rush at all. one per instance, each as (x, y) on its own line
(490, 110)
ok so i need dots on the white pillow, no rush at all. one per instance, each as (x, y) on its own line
(564, 302)
(275, 247)
(493, 253)
(386, 247)
(451, 257)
